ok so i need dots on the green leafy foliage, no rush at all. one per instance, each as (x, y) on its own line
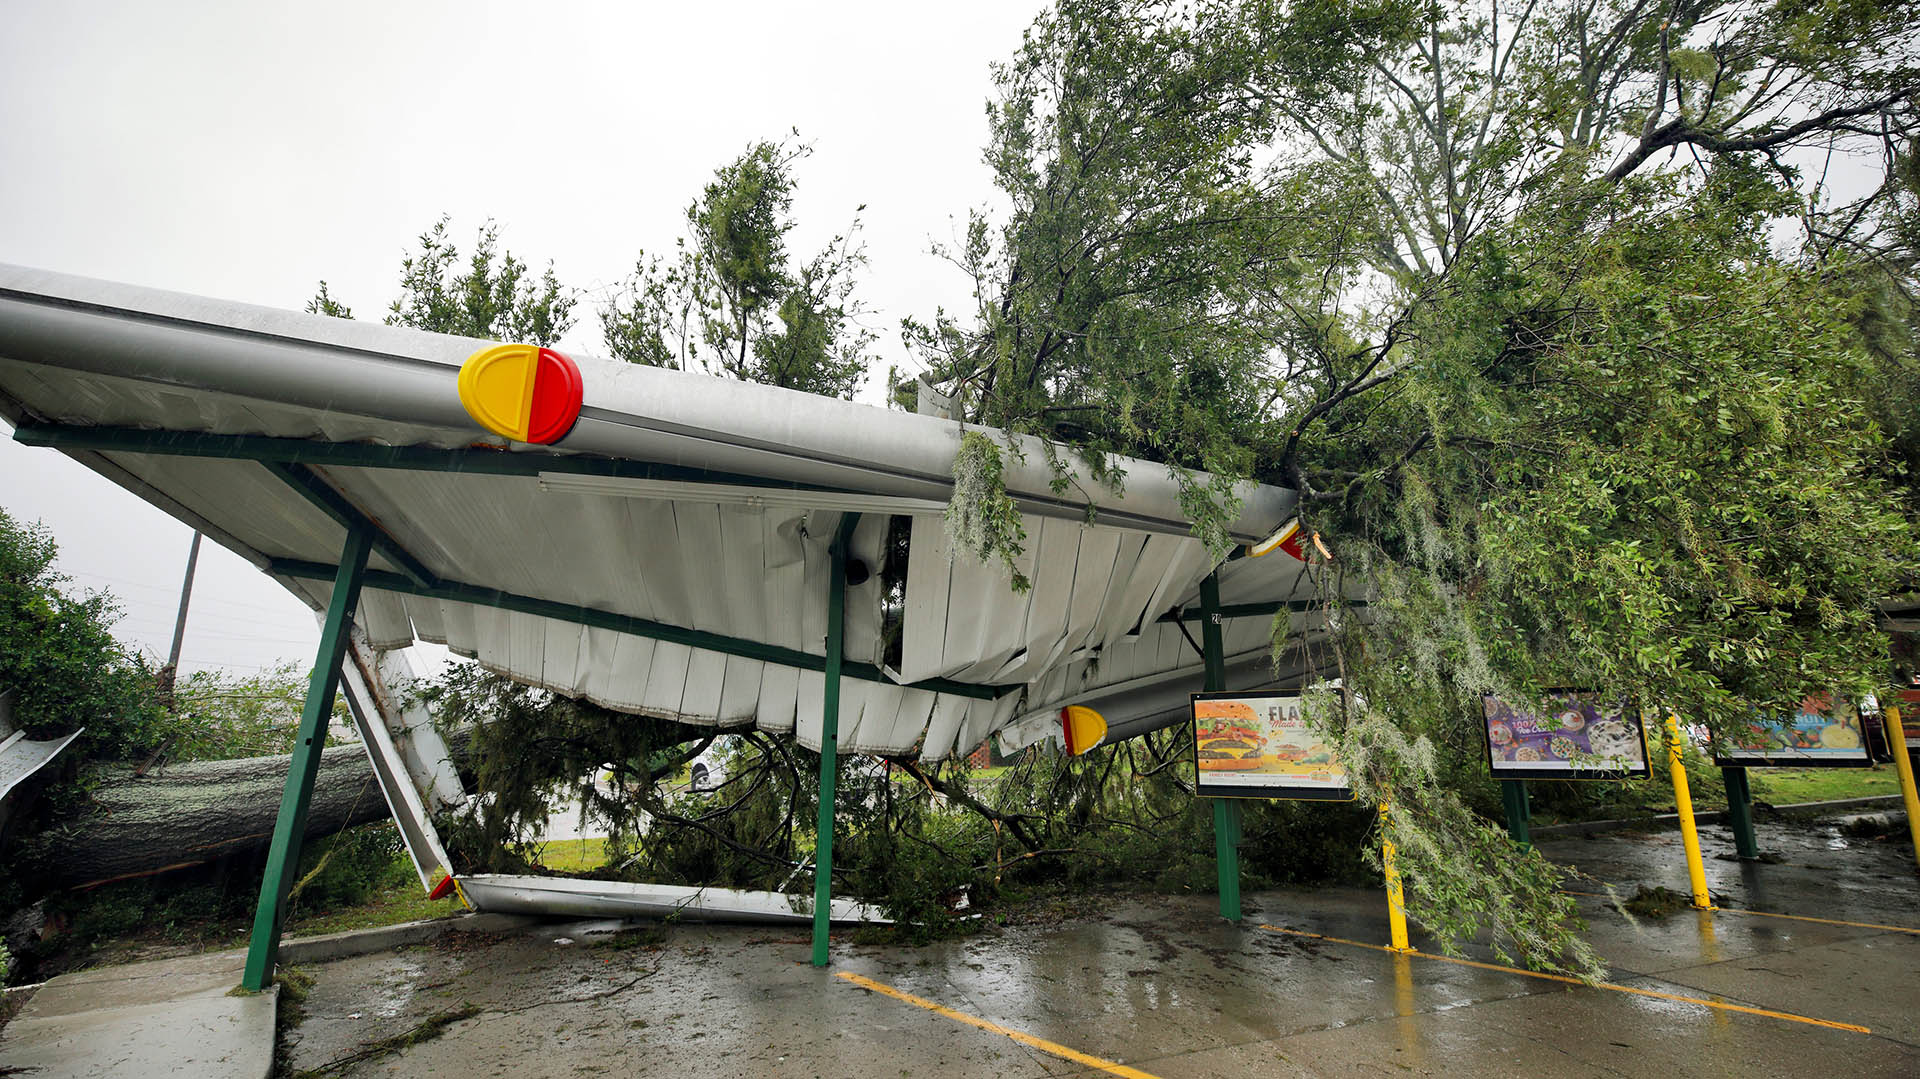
(1579, 378)
(981, 517)
(224, 715)
(732, 300)
(533, 749)
(495, 296)
(348, 868)
(59, 658)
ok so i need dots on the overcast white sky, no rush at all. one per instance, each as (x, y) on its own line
(245, 150)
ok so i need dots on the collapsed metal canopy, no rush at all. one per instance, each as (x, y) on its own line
(668, 557)
(663, 557)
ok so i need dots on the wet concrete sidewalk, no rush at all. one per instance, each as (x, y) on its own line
(168, 1017)
(1161, 986)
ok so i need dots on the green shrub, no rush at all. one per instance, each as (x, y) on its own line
(348, 868)
(59, 657)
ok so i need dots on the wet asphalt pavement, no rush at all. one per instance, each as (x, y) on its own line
(1161, 985)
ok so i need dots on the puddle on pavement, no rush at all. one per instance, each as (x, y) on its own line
(397, 990)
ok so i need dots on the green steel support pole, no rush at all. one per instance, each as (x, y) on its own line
(1740, 812)
(289, 829)
(1226, 811)
(830, 737)
(1513, 793)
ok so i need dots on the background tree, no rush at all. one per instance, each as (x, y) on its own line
(733, 291)
(492, 297)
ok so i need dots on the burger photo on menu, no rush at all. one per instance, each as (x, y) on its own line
(1262, 745)
(1228, 738)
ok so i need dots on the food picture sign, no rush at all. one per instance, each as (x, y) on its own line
(1818, 733)
(1574, 736)
(1259, 745)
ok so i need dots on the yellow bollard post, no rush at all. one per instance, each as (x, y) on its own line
(1903, 764)
(1683, 804)
(1396, 899)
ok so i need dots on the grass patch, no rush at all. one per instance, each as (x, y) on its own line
(211, 909)
(1786, 786)
(574, 855)
(391, 905)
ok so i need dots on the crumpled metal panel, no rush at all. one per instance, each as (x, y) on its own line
(21, 757)
(1093, 588)
(1160, 648)
(756, 574)
(693, 685)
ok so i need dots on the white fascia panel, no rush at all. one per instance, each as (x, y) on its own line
(384, 617)
(667, 679)
(929, 576)
(949, 712)
(779, 698)
(706, 676)
(740, 691)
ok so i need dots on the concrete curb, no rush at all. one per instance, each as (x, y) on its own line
(332, 946)
(1719, 816)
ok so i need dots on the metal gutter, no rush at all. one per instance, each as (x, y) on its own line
(386, 374)
(567, 896)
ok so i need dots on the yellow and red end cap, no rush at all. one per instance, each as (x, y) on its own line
(1081, 728)
(1289, 539)
(442, 889)
(522, 392)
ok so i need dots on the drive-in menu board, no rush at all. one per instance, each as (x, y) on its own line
(1820, 732)
(1259, 745)
(1574, 735)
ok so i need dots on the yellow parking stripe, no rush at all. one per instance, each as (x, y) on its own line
(1717, 1004)
(1822, 921)
(1771, 914)
(1041, 1044)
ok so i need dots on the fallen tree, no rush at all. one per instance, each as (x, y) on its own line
(188, 814)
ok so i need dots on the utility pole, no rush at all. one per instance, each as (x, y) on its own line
(172, 669)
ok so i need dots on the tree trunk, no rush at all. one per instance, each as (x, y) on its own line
(185, 814)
